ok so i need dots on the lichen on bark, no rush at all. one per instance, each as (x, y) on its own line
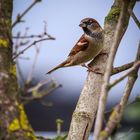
(3, 43)
(13, 121)
(113, 15)
(21, 123)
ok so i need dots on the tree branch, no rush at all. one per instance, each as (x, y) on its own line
(122, 68)
(25, 36)
(117, 113)
(30, 76)
(85, 111)
(34, 93)
(116, 81)
(20, 16)
(134, 17)
(104, 90)
(33, 43)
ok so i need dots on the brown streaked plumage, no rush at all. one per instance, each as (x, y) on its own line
(88, 46)
(81, 45)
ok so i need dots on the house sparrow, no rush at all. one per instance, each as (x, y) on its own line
(88, 47)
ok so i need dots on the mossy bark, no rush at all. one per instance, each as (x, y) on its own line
(13, 121)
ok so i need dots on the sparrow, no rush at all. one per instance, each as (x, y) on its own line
(88, 46)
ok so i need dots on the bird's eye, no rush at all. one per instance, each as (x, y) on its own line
(89, 22)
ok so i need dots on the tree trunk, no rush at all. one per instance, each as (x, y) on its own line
(13, 121)
(85, 112)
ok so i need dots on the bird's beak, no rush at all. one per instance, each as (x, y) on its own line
(82, 24)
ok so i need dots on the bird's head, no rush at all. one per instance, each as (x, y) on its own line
(90, 24)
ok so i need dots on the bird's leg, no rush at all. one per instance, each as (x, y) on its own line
(89, 68)
(92, 69)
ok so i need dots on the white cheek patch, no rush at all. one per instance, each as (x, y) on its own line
(81, 43)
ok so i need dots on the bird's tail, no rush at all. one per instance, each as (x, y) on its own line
(57, 67)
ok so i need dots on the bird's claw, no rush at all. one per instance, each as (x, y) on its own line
(93, 69)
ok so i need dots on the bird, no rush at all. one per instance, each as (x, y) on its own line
(88, 46)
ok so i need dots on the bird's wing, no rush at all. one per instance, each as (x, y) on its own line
(81, 45)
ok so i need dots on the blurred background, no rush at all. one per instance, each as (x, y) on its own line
(62, 20)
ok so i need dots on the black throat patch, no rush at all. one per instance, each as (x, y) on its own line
(96, 35)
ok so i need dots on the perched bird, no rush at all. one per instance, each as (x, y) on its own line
(87, 47)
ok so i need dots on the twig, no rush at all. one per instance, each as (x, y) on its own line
(38, 86)
(28, 36)
(117, 113)
(21, 77)
(33, 66)
(34, 43)
(116, 81)
(24, 58)
(36, 95)
(25, 36)
(122, 68)
(134, 17)
(126, 135)
(18, 43)
(104, 90)
(20, 16)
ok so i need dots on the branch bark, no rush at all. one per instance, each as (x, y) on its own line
(85, 111)
(104, 91)
(86, 108)
(117, 113)
(122, 68)
(116, 81)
